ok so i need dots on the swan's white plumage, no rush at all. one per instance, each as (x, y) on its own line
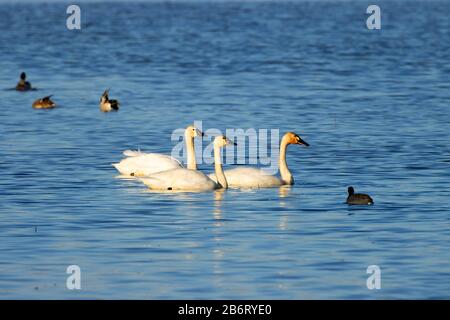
(133, 153)
(180, 179)
(141, 164)
(248, 177)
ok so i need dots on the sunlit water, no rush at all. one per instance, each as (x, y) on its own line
(373, 104)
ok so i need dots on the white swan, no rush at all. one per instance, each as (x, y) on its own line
(140, 164)
(248, 177)
(182, 179)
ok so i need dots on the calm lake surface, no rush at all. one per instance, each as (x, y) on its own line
(373, 105)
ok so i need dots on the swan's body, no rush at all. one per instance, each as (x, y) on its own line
(44, 103)
(183, 179)
(106, 104)
(23, 84)
(141, 164)
(144, 164)
(249, 177)
(180, 179)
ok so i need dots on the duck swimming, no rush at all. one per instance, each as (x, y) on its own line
(358, 198)
(44, 103)
(107, 105)
(249, 177)
(23, 84)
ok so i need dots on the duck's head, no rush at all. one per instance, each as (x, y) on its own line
(48, 101)
(104, 97)
(293, 138)
(193, 132)
(23, 76)
(350, 191)
(222, 141)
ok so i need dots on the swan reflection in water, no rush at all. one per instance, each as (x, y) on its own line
(284, 192)
(218, 197)
(217, 252)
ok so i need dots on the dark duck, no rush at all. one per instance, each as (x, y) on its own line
(358, 198)
(23, 84)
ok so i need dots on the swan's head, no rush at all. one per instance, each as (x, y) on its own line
(193, 132)
(222, 141)
(293, 138)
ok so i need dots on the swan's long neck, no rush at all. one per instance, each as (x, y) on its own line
(286, 175)
(220, 176)
(191, 162)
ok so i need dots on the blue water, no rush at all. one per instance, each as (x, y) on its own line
(373, 104)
